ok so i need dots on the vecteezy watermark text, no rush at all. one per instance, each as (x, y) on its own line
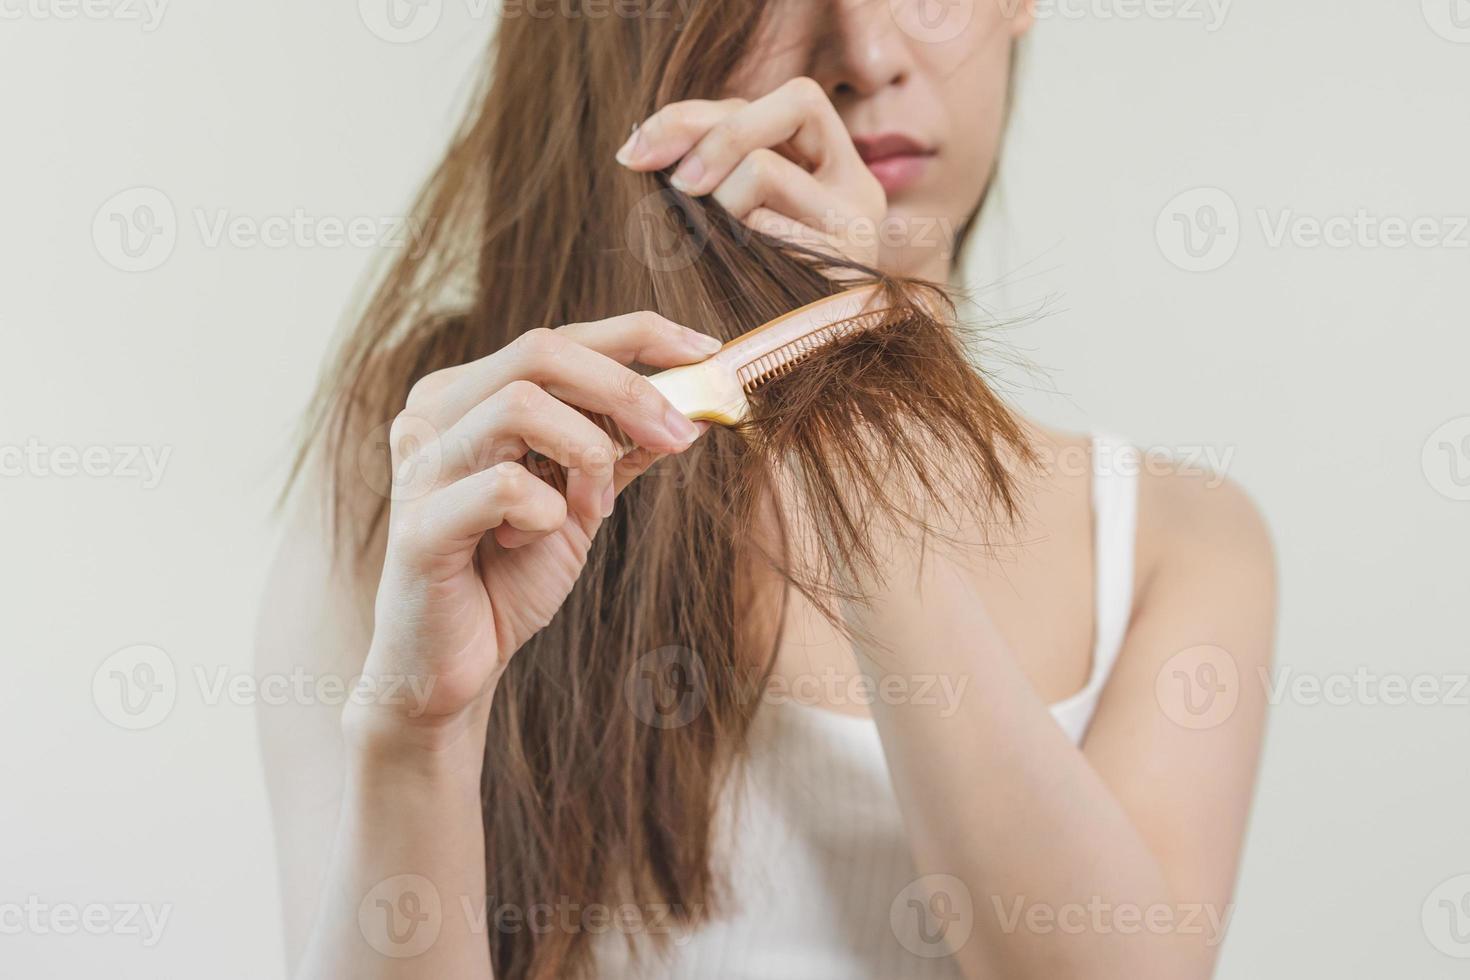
(40, 460)
(36, 917)
(148, 14)
(137, 230)
(1098, 916)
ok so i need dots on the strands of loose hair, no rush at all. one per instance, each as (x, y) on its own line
(589, 794)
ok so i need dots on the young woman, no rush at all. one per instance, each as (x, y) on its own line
(983, 761)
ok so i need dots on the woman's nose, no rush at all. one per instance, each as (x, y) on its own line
(864, 49)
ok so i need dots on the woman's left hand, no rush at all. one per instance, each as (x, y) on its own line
(783, 165)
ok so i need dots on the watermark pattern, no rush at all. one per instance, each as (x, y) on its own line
(571, 917)
(833, 687)
(933, 916)
(401, 916)
(1098, 916)
(1199, 230)
(36, 917)
(1198, 687)
(1208, 462)
(932, 21)
(1210, 13)
(659, 232)
(138, 229)
(35, 459)
(1445, 917)
(137, 688)
(1450, 19)
(1366, 688)
(402, 21)
(667, 687)
(1446, 459)
(147, 14)
(1363, 229)
(300, 687)
(410, 21)
(663, 233)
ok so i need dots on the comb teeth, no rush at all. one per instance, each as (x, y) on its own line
(780, 361)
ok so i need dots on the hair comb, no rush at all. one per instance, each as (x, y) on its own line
(718, 388)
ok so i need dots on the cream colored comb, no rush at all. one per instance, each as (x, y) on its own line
(717, 388)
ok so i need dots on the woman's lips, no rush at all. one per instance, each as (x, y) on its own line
(898, 161)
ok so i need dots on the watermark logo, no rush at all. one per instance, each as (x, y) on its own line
(136, 687)
(666, 687)
(401, 916)
(136, 230)
(419, 450)
(401, 21)
(1199, 687)
(1446, 917)
(932, 21)
(1450, 19)
(933, 916)
(1199, 230)
(1446, 459)
(659, 235)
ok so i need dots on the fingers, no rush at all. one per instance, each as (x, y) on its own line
(457, 516)
(767, 179)
(787, 152)
(565, 369)
(644, 337)
(798, 118)
(672, 131)
(522, 417)
(637, 462)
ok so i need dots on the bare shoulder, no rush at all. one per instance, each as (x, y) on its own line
(1201, 535)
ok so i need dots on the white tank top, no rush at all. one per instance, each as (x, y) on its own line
(811, 841)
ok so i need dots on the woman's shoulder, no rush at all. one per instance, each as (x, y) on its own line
(1199, 526)
(1188, 515)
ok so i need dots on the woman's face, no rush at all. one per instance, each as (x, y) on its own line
(921, 85)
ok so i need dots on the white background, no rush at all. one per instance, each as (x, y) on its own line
(1321, 374)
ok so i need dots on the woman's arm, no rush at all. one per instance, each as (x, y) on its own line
(377, 802)
(371, 836)
(1116, 860)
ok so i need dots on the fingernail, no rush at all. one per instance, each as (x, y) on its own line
(683, 430)
(608, 499)
(703, 342)
(630, 150)
(686, 177)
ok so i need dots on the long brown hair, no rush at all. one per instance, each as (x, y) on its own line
(590, 796)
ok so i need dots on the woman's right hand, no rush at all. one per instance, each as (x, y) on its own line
(480, 552)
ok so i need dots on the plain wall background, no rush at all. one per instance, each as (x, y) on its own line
(1332, 379)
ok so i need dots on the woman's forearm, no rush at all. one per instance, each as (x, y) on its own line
(995, 795)
(405, 887)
